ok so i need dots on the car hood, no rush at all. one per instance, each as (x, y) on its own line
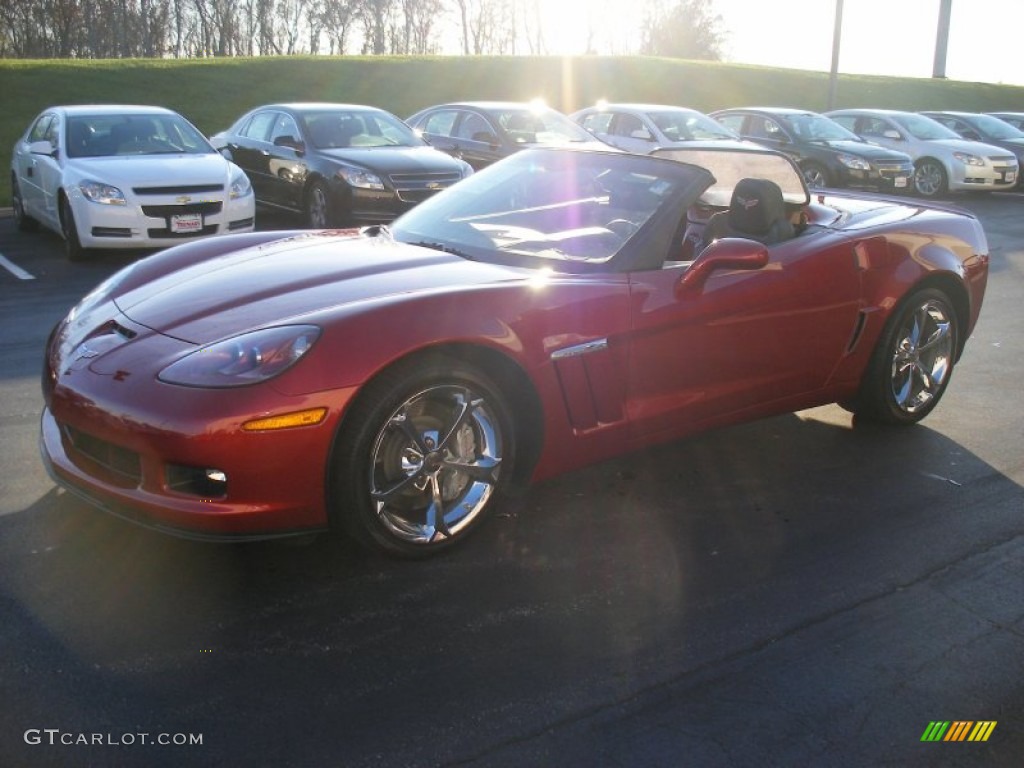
(302, 278)
(868, 151)
(390, 160)
(153, 170)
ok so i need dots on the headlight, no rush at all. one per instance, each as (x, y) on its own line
(242, 360)
(359, 178)
(968, 159)
(856, 163)
(105, 194)
(240, 185)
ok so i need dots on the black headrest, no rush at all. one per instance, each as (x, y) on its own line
(756, 205)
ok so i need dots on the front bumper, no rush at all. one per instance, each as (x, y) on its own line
(984, 177)
(160, 221)
(892, 177)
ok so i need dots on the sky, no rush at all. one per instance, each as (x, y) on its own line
(880, 37)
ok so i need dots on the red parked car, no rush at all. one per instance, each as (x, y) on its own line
(556, 309)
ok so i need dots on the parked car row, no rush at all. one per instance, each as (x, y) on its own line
(144, 177)
(929, 152)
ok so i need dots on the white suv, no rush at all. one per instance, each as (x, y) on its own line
(942, 160)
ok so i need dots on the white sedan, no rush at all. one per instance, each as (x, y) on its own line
(110, 177)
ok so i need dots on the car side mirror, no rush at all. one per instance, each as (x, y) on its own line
(733, 253)
(42, 148)
(641, 133)
(486, 137)
(972, 135)
(226, 153)
(289, 141)
(891, 133)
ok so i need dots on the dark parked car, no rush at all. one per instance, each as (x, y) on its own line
(534, 318)
(337, 164)
(481, 132)
(828, 154)
(985, 128)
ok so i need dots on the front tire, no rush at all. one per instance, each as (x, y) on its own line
(420, 456)
(930, 179)
(913, 362)
(318, 206)
(816, 176)
(72, 245)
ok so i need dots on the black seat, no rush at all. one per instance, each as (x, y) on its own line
(756, 212)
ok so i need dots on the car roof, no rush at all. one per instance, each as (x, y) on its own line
(308, 106)
(641, 107)
(780, 111)
(870, 111)
(948, 112)
(486, 105)
(112, 109)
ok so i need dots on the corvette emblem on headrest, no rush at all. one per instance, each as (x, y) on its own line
(748, 202)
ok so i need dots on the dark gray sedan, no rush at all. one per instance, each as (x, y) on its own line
(337, 164)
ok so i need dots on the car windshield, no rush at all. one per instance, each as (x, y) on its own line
(341, 128)
(812, 127)
(924, 128)
(684, 125)
(994, 127)
(539, 126)
(551, 207)
(133, 134)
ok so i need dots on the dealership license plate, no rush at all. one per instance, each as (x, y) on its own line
(187, 222)
(900, 181)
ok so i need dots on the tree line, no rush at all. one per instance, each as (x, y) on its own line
(108, 29)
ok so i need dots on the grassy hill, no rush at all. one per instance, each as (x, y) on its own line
(212, 92)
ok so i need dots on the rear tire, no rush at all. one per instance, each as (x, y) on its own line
(22, 220)
(913, 362)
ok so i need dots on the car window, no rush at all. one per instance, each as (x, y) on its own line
(924, 128)
(440, 123)
(765, 128)
(994, 127)
(341, 128)
(873, 127)
(285, 130)
(690, 126)
(849, 122)
(597, 122)
(133, 134)
(44, 129)
(540, 126)
(629, 126)
(473, 127)
(732, 122)
(813, 127)
(259, 126)
(548, 208)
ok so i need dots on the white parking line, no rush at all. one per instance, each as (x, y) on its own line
(14, 269)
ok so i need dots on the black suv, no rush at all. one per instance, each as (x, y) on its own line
(828, 154)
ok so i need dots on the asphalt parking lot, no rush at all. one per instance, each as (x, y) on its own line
(793, 592)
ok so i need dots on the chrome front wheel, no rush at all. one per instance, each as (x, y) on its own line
(427, 458)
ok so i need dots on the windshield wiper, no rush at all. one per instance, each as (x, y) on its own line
(443, 247)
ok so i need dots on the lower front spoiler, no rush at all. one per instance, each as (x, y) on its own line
(131, 514)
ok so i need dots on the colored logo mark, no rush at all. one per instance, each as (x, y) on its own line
(958, 730)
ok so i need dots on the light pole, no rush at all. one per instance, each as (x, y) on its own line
(942, 38)
(837, 34)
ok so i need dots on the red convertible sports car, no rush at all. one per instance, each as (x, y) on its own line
(556, 309)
